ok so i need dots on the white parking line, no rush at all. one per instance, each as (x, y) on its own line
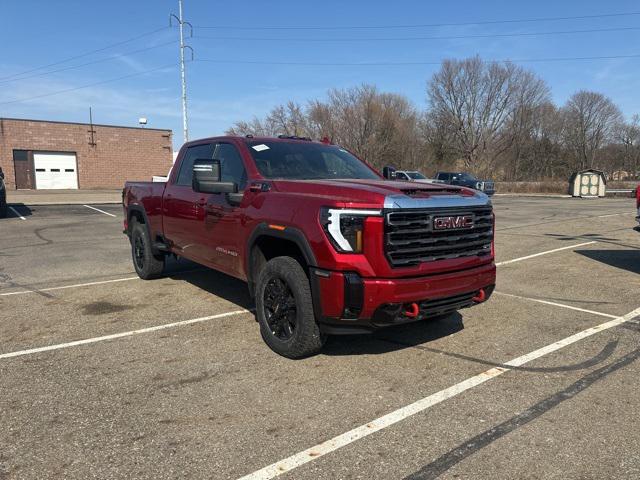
(615, 215)
(77, 285)
(17, 213)
(98, 210)
(421, 405)
(561, 305)
(114, 336)
(543, 253)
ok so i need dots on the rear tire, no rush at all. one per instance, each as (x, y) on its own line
(284, 309)
(3, 210)
(147, 264)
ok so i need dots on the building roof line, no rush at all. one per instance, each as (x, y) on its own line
(85, 124)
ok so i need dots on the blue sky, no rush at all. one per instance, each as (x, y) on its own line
(36, 33)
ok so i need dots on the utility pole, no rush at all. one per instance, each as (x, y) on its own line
(183, 76)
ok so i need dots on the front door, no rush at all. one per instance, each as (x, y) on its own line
(23, 168)
(224, 214)
(183, 209)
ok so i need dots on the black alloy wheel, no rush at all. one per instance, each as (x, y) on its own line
(148, 264)
(284, 309)
(280, 309)
(138, 251)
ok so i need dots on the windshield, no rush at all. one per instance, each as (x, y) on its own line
(307, 161)
(416, 176)
(467, 177)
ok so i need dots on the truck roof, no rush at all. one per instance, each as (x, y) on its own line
(252, 138)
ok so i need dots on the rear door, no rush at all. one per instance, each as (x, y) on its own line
(183, 209)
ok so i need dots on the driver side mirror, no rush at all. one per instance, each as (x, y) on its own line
(207, 178)
(389, 172)
(1, 174)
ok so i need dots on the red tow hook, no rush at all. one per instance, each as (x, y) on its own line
(480, 297)
(412, 311)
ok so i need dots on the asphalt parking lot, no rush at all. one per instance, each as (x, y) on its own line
(103, 375)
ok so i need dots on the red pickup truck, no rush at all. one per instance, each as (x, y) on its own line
(325, 243)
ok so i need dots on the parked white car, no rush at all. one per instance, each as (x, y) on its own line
(414, 176)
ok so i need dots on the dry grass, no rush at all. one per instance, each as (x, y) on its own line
(552, 186)
(549, 186)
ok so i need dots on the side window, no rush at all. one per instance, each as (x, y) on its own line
(191, 155)
(231, 165)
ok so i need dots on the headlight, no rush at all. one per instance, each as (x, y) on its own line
(478, 185)
(345, 227)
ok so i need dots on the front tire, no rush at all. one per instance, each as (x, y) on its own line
(284, 309)
(147, 264)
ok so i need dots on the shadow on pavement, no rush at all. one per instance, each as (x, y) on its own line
(22, 209)
(212, 281)
(383, 341)
(394, 338)
(622, 259)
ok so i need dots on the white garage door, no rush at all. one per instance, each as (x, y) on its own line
(55, 170)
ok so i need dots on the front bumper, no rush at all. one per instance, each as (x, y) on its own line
(347, 303)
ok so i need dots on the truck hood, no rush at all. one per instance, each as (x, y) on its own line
(384, 193)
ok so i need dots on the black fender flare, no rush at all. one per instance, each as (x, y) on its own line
(139, 209)
(292, 234)
(296, 236)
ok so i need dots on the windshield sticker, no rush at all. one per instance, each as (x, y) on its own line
(261, 147)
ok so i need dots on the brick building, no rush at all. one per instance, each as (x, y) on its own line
(38, 154)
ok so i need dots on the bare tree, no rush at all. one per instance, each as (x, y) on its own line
(473, 101)
(380, 127)
(590, 121)
(289, 119)
(491, 118)
(627, 134)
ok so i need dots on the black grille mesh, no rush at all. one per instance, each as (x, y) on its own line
(410, 238)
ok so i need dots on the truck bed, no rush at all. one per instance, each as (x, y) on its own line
(145, 198)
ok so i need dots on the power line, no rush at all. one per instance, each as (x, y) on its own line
(448, 37)
(452, 24)
(20, 100)
(400, 64)
(93, 62)
(86, 54)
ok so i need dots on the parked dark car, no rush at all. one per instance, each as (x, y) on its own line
(466, 180)
(3, 196)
